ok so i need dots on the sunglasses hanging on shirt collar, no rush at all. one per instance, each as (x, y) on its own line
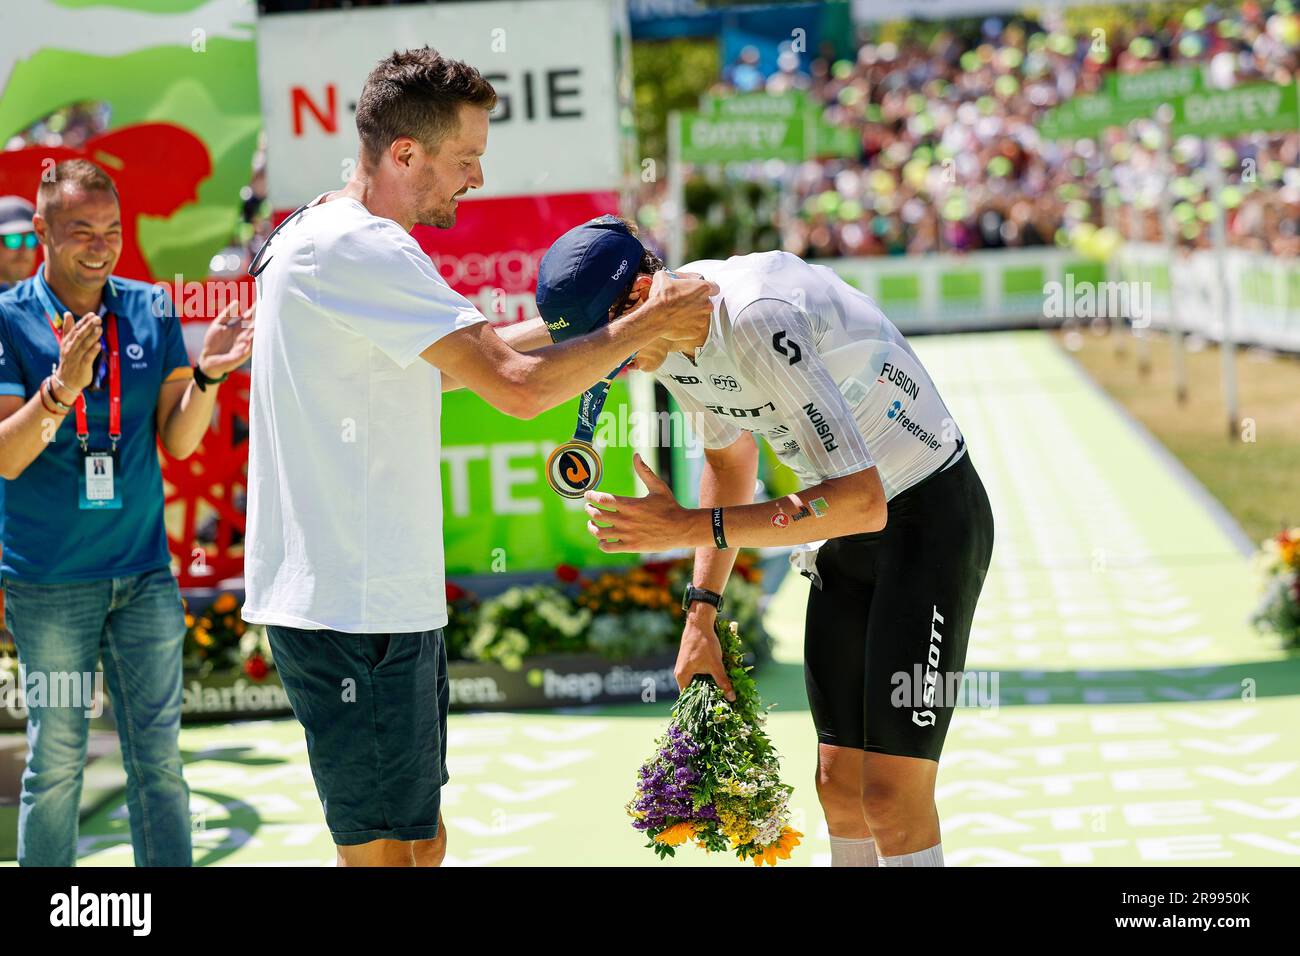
(257, 265)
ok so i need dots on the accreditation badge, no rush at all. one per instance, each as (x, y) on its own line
(99, 487)
(573, 468)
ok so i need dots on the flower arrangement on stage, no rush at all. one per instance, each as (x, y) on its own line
(217, 639)
(618, 614)
(1279, 610)
(715, 778)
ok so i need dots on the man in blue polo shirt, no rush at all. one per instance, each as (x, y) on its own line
(83, 403)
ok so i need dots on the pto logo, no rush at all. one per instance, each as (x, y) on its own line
(787, 347)
(726, 383)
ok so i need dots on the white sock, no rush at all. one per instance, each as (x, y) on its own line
(847, 851)
(930, 857)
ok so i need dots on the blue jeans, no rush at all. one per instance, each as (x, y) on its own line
(137, 624)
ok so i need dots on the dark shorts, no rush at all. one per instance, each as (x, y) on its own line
(374, 709)
(893, 613)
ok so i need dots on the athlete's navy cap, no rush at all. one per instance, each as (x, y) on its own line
(582, 275)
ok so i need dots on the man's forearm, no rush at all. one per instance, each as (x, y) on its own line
(526, 336)
(189, 421)
(26, 433)
(720, 486)
(521, 336)
(556, 373)
(834, 508)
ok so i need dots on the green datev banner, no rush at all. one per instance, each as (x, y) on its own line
(734, 139)
(1123, 98)
(761, 126)
(179, 79)
(499, 514)
(1253, 107)
(1150, 88)
(1250, 108)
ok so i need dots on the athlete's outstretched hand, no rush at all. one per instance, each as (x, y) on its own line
(701, 653)
(653, 523)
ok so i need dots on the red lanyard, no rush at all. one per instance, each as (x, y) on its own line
(114, 388)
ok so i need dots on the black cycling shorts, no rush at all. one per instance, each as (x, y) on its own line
(892, 618)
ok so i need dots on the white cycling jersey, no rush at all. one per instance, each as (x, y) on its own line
(799, 356)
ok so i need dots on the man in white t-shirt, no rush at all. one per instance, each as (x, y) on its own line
(358, 334)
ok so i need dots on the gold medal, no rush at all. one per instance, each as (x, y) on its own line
(573, 468)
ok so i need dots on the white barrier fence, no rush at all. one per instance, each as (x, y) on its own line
(1263, 293)
(1016, 289)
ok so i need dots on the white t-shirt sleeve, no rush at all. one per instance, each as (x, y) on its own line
(378, 282)
(774, 345)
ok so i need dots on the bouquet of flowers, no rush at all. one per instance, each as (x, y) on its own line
(1279, 610)
(715, 778)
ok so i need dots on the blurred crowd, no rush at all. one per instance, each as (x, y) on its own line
(952, 160)
(951, 156)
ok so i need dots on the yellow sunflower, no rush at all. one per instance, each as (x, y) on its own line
(676, 834)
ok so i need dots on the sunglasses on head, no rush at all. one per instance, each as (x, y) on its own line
(16, 240)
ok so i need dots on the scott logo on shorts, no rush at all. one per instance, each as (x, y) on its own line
(926, 718)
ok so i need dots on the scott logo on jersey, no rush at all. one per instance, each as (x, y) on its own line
(787, 346)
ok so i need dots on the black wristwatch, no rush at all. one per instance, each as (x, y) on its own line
(203, 380)
(693, 594)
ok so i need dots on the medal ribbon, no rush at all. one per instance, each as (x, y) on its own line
(593, 402)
